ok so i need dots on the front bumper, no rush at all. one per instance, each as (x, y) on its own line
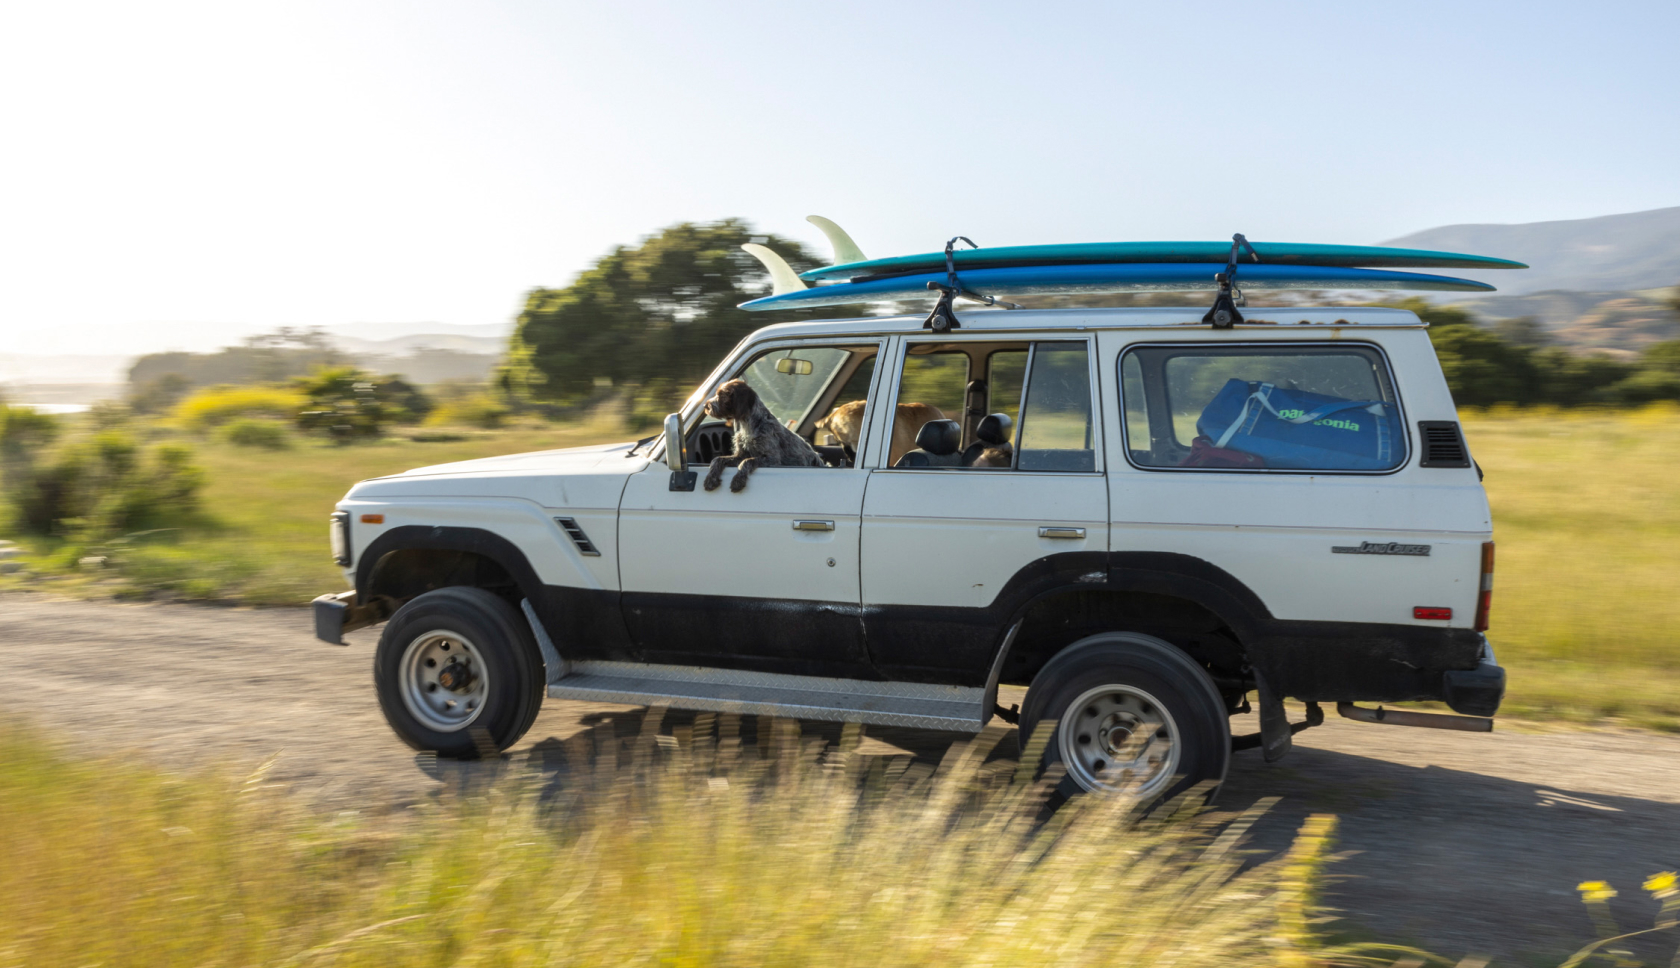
(1478, 691)
(336, 614)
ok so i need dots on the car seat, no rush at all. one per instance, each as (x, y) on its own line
(974, 408)
(993, 432)
(936, 446)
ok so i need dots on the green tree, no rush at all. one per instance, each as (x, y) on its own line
(350, 404)
(651, 319)
(1482, 369)
(1571, 379)
(1662, 356)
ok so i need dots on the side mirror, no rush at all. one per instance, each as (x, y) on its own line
(682, 479)
(674, 457)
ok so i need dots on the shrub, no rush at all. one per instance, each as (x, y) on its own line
(159, 394)
(214, 406)
(24, 428)
(252, 432)
(349, 404)
(473, 410)
(106, 485)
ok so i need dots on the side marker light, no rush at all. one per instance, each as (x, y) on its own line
(1431, 614)
(373, 519)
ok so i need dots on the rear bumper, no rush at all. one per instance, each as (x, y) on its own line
(336, 614)
(1478, 691)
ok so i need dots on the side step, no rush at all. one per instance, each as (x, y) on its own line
(954, 708)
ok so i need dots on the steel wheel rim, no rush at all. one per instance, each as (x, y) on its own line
(443, 680)
(1119, 739)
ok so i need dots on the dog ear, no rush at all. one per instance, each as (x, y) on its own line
(748, 397)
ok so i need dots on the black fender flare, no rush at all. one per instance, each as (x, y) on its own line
(419, 537)
(1169, 574)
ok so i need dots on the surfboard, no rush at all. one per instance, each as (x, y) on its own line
(1271, 253)
(1110, 277)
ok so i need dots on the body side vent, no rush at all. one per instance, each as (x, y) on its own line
(1443, 444)
(584, 545)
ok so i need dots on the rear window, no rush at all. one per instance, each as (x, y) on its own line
(1255, 408)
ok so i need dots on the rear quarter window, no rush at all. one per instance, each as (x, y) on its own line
(1261, 408)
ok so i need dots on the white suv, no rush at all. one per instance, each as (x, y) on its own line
(1142, 518)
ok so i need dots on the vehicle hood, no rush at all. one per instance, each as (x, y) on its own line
(573, 477)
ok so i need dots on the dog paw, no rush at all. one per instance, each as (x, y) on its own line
(712, 483)
(738, 485)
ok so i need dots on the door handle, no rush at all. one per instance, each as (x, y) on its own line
(1049, 532)
(804, 525)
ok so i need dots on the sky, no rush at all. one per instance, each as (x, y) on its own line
(179, 175)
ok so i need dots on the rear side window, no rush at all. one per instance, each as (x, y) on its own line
(1295, 408)
(1055, 429)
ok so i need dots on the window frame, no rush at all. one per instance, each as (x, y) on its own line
(1279, 347)
(693, 409)
(900, 351)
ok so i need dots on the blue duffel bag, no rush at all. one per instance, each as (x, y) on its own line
(1299, 430)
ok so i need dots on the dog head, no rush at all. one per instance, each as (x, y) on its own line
(734, 401)
(842, 422)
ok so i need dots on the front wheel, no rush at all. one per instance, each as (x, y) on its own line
(457, 671)
(1129, 713)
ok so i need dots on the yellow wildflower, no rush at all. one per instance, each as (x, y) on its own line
(1595, 891)
(1663, 884)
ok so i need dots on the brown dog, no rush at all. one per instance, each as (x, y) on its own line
(845, 422)
(760, 439)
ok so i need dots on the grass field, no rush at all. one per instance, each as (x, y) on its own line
(1586, 514)
(692, 851)
(1586, 511)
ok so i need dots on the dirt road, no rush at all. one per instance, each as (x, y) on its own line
(1464, 842)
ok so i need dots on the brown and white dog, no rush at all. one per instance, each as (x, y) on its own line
(845, 423)
(760, 439)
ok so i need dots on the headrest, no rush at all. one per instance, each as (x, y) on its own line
(995, 429)
(940, 437)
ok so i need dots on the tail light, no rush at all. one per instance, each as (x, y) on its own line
(1484, 600)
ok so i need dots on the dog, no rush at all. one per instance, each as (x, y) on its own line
(760, 439)
(845, 423)
(1001, 455)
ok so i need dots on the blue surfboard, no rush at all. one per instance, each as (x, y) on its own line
(1111, 277)
(1092, 253)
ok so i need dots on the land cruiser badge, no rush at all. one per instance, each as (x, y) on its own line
(1380, 548)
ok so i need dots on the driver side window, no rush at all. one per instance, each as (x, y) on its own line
(818, 392)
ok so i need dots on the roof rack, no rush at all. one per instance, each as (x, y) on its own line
(1223, 314)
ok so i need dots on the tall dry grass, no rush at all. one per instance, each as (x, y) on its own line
(687, 849)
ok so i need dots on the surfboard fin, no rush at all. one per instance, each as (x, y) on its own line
(782, 277)
(845, 250)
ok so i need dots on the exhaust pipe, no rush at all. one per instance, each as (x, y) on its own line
(1405, 717)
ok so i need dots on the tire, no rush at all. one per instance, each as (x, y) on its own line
(457, 670)
(1110, 684)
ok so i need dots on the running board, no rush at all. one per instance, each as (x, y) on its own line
(917, 705)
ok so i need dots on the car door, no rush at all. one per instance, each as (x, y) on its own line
(765, 579)
(949, 553)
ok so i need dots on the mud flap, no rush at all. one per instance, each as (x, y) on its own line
(1276, 737)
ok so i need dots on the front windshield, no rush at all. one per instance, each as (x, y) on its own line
(790, 381)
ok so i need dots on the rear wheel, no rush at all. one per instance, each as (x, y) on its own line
(1129, 713)
(458, 672)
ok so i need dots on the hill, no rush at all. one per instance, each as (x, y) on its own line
(1611, 253)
